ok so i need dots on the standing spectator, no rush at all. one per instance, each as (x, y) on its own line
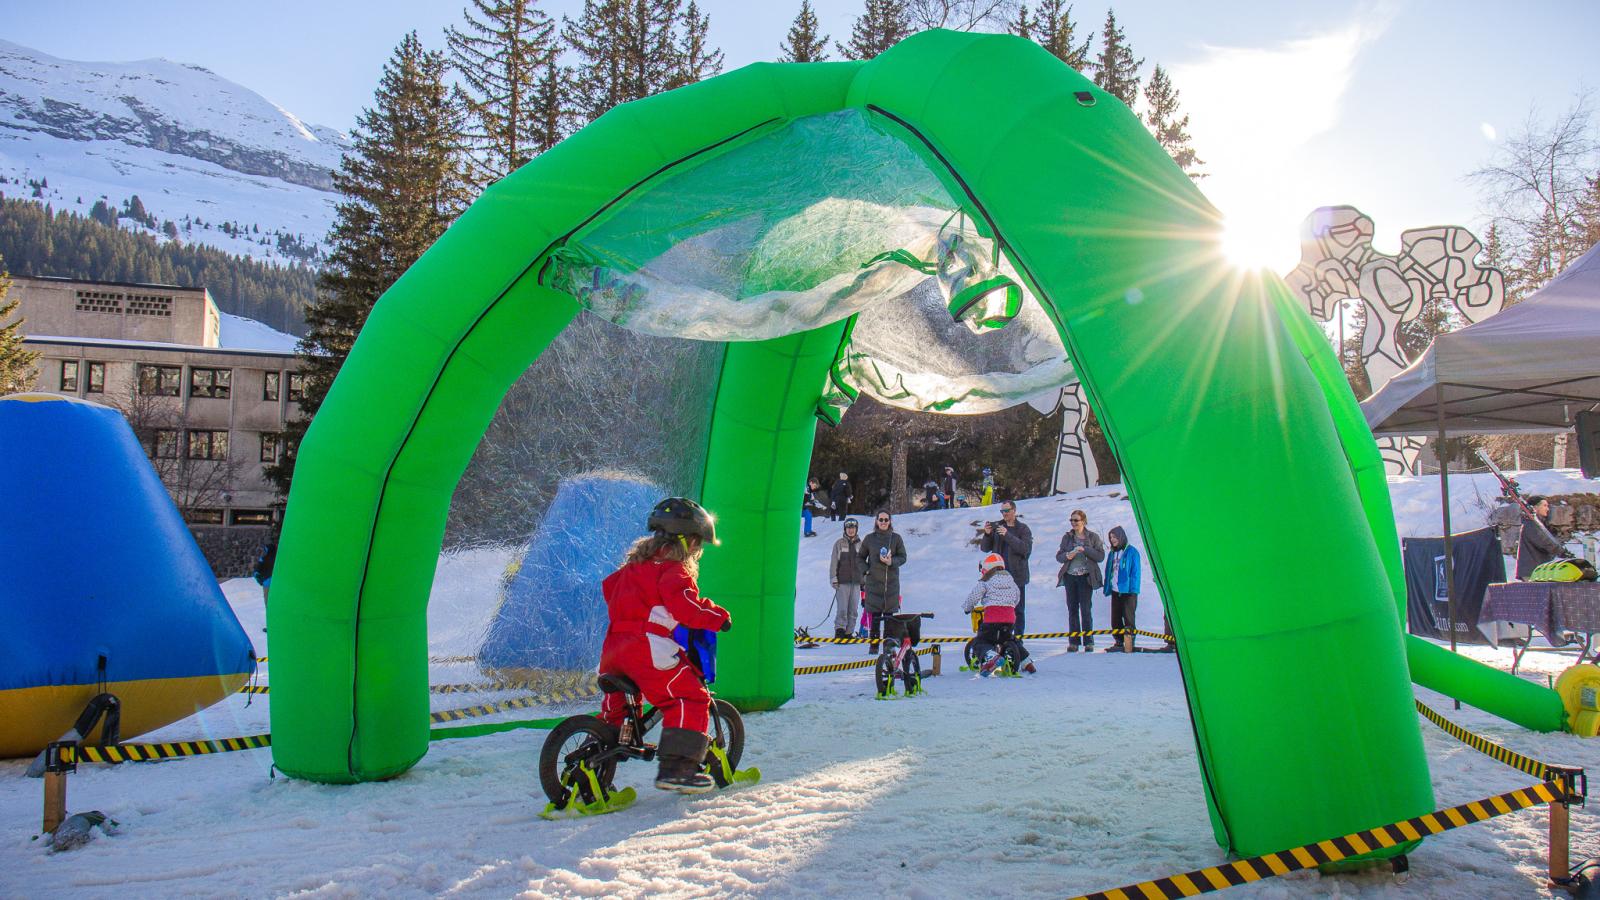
(840, 497)
(988, 487)
(844, 573)
(263, 569)
(815, 502)
(1537, 546)
(947, 488)
(1080, 553)
(1122, 586)
(882, 554)
(1013, 540)
(930, 495)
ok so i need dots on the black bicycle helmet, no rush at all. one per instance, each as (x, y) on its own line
(679, 515)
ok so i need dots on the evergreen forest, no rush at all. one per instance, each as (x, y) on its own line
(39, 241)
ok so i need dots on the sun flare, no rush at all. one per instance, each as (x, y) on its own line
(1250, 247)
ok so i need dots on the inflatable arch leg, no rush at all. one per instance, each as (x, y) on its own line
(1194, 371)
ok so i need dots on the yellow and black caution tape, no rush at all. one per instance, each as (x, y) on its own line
(1204, 881)
(489, 709)
(1511, 758)
(963, 640)
(484, 687)
(118, 753)
(840, 667)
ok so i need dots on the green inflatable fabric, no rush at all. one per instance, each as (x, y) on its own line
(1297, 682)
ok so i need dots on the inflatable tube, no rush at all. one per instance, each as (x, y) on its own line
(104, 588)
(1191, 365)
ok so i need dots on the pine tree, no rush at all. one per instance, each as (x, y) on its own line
(881, 26)
(631, 49)
(16, 364)
(402, 184)
(1161, 116)
(1054, 30)
(1022, 26)
(502, 55)
(1115, 70)
(803, 44)
(695, 58)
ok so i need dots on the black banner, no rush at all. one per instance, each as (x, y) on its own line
(1478, 564)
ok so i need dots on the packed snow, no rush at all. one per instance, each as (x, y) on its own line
(1081, 778)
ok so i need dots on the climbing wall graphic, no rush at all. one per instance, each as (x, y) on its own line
(1075, 468)
(1339, 264)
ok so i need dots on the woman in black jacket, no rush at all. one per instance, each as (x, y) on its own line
(882, 554)
(1080, 556)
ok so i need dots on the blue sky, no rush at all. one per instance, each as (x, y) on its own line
(1383, 105)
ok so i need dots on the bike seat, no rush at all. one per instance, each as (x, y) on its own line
(613, 683)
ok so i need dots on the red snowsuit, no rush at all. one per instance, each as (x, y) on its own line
(646, 601)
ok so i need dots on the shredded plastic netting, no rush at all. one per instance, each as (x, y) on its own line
(606, 423)
(808, 222)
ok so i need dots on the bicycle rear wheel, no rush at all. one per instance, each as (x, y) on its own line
(727, 734)
(576, 740)
(967, 654)
(912, 674)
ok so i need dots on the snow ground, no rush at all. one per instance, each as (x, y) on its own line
(1082, 778)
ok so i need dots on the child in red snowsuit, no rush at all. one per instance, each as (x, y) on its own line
(651, 594)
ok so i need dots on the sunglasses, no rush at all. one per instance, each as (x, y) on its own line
(883, 520)
(1076, 519)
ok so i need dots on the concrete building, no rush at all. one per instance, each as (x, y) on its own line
(205, 413)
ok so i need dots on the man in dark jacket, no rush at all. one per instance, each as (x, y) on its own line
(841, 495)
(882, 554)
(1013, 540)
(1080, 555)
(947, 488)
(1537, 546)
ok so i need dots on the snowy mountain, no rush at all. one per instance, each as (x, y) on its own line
(198, 150)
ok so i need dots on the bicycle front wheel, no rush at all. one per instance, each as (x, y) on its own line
(912, 674)
(883, 672)
(727, 735)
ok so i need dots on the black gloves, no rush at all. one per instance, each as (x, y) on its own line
(726, 625)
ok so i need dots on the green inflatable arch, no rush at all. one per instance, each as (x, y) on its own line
(1297, 679)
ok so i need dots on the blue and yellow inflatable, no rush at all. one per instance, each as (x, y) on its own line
(102, 587)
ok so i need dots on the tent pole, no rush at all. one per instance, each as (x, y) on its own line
(1444, 496)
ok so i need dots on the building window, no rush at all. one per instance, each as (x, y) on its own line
(164, 381)
(269, 448)
(97, 379)
(250, 517)
(203, 516)
(297, 387)
(164, 445)
(269, 390)
(69, 377)
(96, 301)
(208, 445)
(210, 383)
(144, 305)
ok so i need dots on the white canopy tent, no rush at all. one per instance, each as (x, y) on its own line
(1531, 368)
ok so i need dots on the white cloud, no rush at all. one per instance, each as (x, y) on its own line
(1254, 110)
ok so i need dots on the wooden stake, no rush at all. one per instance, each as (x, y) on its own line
(937, 656)
(55, 800)
(1560, 863)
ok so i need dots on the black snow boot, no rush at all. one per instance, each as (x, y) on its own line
(681, 751)
(840, 633)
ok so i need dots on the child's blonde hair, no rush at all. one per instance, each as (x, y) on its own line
(683, 549)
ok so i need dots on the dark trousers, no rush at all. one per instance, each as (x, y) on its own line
(1022, 604)
(1080, 605)
(1122, 609)
(997, 636)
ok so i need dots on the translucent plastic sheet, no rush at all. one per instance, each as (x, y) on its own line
(812, 221)
(603, 425)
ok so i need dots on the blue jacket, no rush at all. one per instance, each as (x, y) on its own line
(1122, 566)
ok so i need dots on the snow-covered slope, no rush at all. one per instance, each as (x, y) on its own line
(240, 333)
(191, 145)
